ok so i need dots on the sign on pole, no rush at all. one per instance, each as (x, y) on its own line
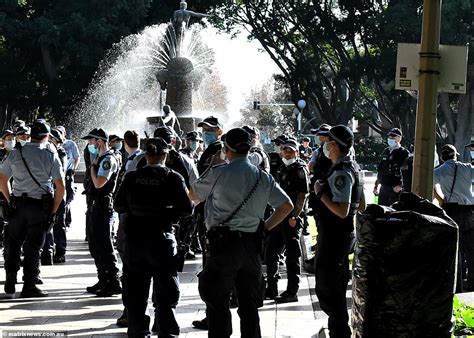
(452, 68)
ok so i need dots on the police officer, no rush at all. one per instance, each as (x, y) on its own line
(22, 135)
(305, 150)
(389, 171)
(54, 248)
(257, 156)
(212, 131)
(192, 139)
(452, 189)
(319, 167)
(8, 141)
(73, 159)
(340, 196)
(293, 178)
(150, 245)
(236, 196)
(103, 174)
(275, 156)
(131, 141)
(33, 204)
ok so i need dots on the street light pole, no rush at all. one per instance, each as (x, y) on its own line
(425, 134)
(301, 105)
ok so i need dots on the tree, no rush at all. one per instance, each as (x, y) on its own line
(50, 50)
(341, 55)
(274, 120)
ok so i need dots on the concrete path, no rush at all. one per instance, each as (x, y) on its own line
(69, 309)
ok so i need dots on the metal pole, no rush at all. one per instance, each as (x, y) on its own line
(425, 134)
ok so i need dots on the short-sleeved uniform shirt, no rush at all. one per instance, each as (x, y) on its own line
(444, 176)
(341, 183)
(107, 166)
(224, 187)
(44, 165)
(72, 152)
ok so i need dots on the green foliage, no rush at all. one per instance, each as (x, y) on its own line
(463, 318)
(368, 150)
(50, 50)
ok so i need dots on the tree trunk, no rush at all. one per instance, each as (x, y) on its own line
(448, 115)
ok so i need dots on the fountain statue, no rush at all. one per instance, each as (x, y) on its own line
(179, 78)
(149, 79)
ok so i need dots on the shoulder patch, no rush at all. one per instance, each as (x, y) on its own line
(340, 182)
(106, 165)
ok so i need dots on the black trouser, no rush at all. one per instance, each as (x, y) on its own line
(55, 240)
(100, 243)
(27, 227)
(332, 278)
(284, 236)
(120, 244)
(151, 256)
(70, 192)
(387, 196)
(240, 266)
(462, 215)
(59, 230)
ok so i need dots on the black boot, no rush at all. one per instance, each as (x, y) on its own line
(96, 287)
(10, 282)
(112, 287)
(32, 291)
(272, 289)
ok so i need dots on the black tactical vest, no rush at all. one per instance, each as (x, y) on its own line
(109, 187)
(331, 219)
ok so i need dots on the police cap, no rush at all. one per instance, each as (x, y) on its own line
(323, 130)
(280, 139)
(212, 122)
(57, 134)
(238, 140)
(342, 135)
(40, 128)
(7, 132)
(251, 130)
(395, 132)
(23, 130)
(291, 143)
(448, 150)
(97, 133)
(164, 132)
(306, 139)
(156, 146)
(18, 123)
(193, 135)
(115, 138)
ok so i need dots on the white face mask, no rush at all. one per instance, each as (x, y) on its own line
(392, 143)
(23, 142)
(289, 162)
(223, 157)
(472, 153)
(325, 149)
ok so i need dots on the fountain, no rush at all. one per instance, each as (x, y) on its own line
(162, 66)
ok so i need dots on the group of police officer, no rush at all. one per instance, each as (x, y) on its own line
(219, 192)
(35, 200)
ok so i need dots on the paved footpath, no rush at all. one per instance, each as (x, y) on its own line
(70, 309)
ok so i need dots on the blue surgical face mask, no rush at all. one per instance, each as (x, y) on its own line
(472, 153)
(193, 146)
(23, 142)
(118, 146)
(9, 144)
(209, 137)
(391, 143)
(92, 149)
